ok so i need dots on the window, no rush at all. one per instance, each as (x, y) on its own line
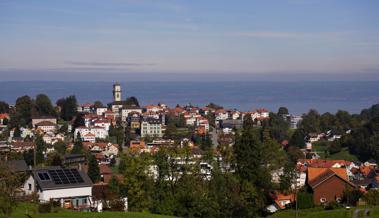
(29, 186)
(322, 200)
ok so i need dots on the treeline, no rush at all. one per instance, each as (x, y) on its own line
(26, 108)
(239, 184)
(359, 131)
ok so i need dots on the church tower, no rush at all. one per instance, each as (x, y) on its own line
(117, 92)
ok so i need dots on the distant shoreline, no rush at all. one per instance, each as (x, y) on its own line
(299, 97)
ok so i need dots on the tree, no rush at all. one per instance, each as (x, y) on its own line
(98, 104)
(9, 185)
(311, 122)
(24, 107)
(44, 106)
(79, 121)
(250, 159)
(132, 101)
(368, 114)
(4, 107)
(68, 107)
(248, 121)
(117, 133)
(54, 159)
(114, 187)
(40, 149)
(78, 145)
(138, 183)
(206, 142)
(60, 146)
(278, 127)
(288, 176)
(282, 111)
(93, 169)
(298, 139)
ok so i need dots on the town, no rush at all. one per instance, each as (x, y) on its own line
(187, 160)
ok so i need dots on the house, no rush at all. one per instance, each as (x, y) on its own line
(151, 127)
(68, 186)
(89, 137)
(281, 200)
(46, 126)
(294, 121)
(328, 184)
(20, 146)
(4, 118)
(99, 132)
(221, 114)
(101, 110)
(85, 108)
(40, 119)
(153, 108)
(126, 110)
(134, 120)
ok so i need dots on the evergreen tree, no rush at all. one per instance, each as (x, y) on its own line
(40, 149)
(78, 145)
(98, 104)
(248, 122)
(44, 106)
(68, 107)
(4, 107)
(93, 169)
(132, 101)
(282, 111)
(24, 107)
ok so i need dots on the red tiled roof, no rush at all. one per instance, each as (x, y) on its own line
(4, 115)
(45, 123)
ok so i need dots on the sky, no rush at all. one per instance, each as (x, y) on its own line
(93, 39)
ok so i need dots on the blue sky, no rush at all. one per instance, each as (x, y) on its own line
(189, 36)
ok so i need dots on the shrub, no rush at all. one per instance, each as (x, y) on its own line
(116, 205)
(44, 207)
(372, 197)
(304, 200)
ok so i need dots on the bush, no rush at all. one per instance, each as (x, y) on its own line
(372, 197)
(332, 205)
(304, 200)
(116, 205)
(45, 207)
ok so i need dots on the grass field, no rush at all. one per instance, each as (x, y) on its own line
(23, 209)
(344, 154)
(321, 213)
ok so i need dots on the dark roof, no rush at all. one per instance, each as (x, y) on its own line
(72, 179)
(152, 120)
(132, 107)
(17, 165)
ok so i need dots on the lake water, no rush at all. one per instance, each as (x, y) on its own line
(298, 97)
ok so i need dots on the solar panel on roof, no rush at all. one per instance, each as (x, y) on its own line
(65, 176)
(77, 175)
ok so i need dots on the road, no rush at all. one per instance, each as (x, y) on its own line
(214, 136)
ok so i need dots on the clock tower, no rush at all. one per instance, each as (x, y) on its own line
(117, 92)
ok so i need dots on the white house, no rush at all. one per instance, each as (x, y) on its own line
(46, 126)
(40, 119)
(99, 132)
(221, 114)
(68, 186)
(151, 127)
(101, 110)
(129, 109)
